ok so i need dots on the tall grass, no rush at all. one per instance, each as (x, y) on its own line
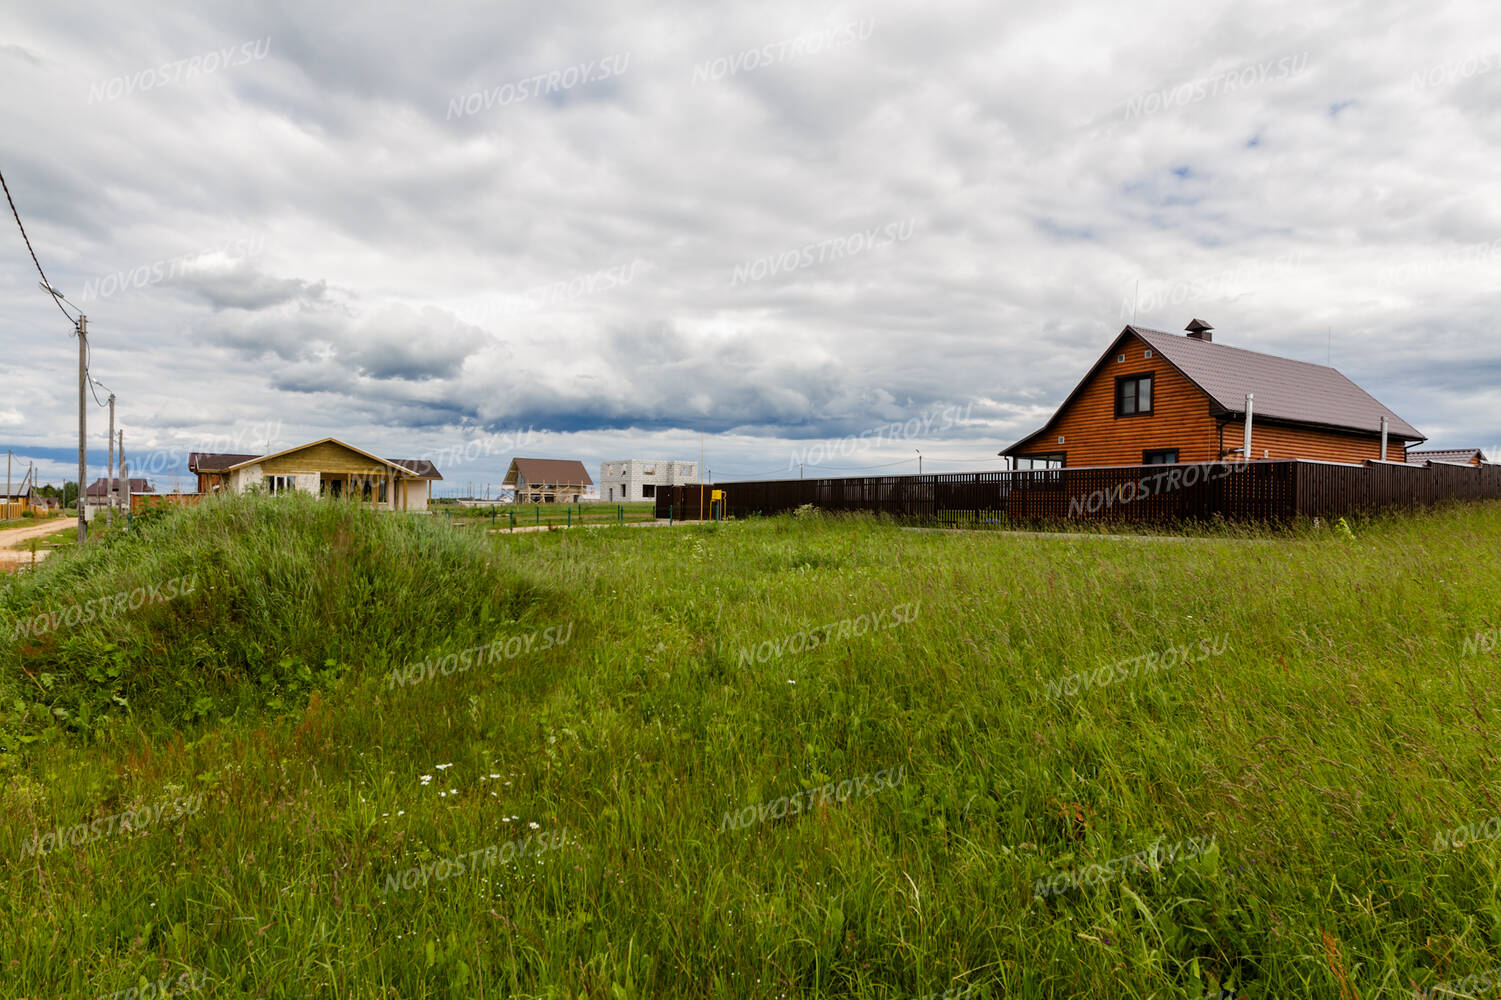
(1342, 725)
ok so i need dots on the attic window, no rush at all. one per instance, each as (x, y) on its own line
(1120, 359)
(1060, 439)
(1148, 354)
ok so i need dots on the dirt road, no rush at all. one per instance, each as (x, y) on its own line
(10, 557)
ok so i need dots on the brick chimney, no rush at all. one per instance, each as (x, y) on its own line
(1199, 330)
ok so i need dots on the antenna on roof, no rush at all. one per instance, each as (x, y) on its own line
(1136, 297)
(1330, 359)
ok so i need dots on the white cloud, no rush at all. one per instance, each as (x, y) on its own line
(417, 274)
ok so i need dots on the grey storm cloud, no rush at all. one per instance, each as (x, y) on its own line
(1314, 180)
(243, 286)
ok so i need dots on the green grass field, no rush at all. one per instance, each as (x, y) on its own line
(532, 514)
(1036, 767)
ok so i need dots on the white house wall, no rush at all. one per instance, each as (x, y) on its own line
(621, 481)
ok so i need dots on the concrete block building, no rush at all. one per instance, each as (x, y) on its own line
(635, 479)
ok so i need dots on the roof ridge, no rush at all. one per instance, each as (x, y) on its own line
(1244, 350)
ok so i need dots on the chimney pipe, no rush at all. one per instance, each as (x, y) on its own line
(1199, 330)
(1245, 453)
(1383, 438)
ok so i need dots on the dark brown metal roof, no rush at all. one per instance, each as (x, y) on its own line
(419, 467)
(207, 461)
(97, 489)
(562, 471)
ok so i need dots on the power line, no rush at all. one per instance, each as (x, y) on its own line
(30, 250)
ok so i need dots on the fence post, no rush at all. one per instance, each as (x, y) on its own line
(570, 517)
(537, 510)
(512, 512)
(669, 515)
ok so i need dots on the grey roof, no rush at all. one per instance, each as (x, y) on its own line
(1464, 455)
(419, 467)
(1285, 389)
(207, 461)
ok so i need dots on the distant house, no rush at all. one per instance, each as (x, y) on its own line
(639, 479)
(327, 468)
(96, 497)
(1454, 456)
(548, 480)
(1156, 397)
(18, 502)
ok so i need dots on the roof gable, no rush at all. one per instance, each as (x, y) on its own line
(1084, 382)
(314, 444)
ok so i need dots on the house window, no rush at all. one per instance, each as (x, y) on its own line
(281, 484)
(1161, 456)
(1133, 395)
(648, 491)
(1051, 460)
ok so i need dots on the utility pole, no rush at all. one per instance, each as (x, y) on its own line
(7, 486)
(919, 461)
(109, 468)
(124, 472)
(83, 361)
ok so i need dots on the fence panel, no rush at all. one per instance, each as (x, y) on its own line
(1262, 490)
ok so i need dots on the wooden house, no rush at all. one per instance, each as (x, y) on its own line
(1159, 398)
(548, 480)
(327, 468)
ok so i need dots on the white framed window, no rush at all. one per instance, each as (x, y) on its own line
(281, 484)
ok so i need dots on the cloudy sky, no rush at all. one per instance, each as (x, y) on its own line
(590, 231)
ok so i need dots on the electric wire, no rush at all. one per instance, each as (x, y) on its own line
(28, 247)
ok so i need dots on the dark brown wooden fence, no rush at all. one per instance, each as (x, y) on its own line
(1275, 490)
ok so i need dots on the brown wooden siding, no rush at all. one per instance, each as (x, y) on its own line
(210, 482)
(324, 457)
(1094, 435)
(1269, 440)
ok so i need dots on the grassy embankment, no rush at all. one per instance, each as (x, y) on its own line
(1341, 727)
